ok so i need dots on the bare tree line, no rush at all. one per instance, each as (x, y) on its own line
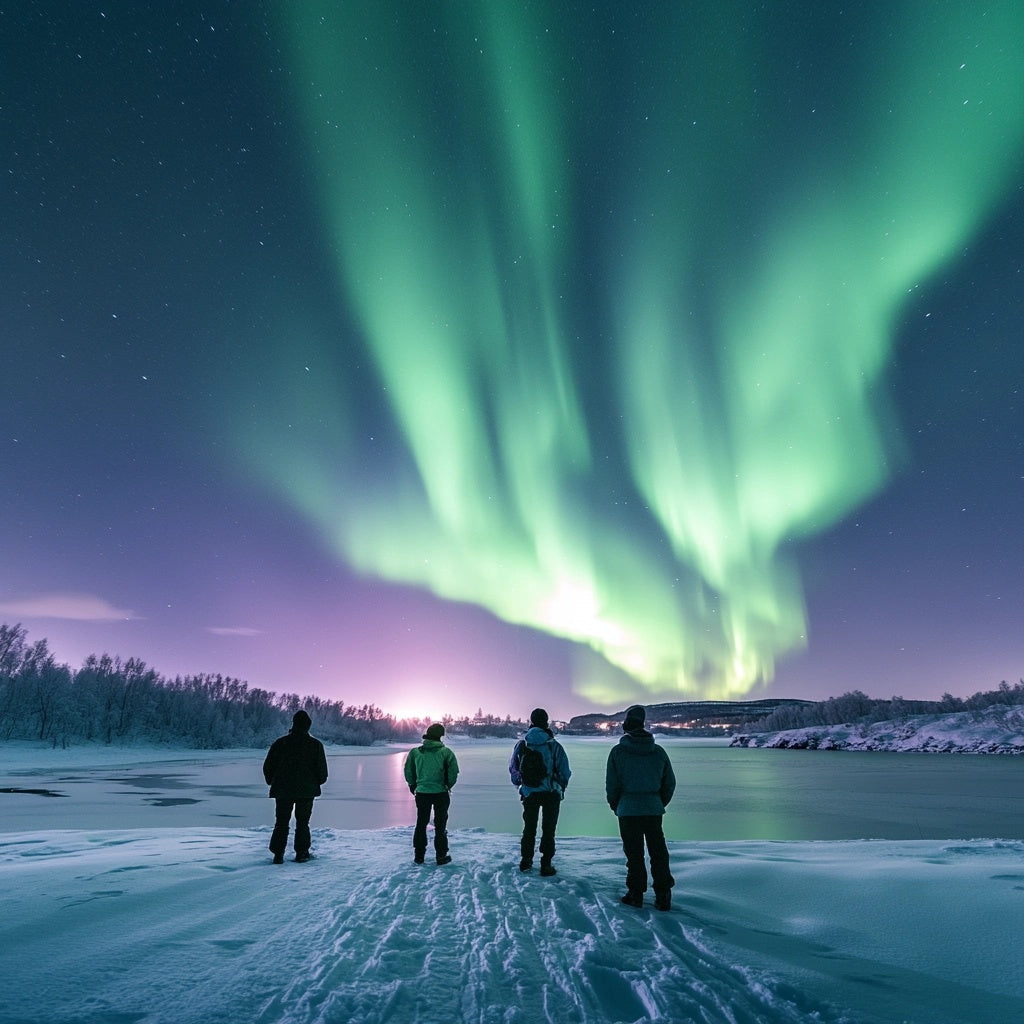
(114, 701)
(121, 701)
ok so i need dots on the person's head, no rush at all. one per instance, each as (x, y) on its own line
(539, 718)
(301, 722)
(434, 732)
(635, 718)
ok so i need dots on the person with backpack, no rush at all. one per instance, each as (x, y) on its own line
(639, 783)
(431, 770)
(539, 768)
(295, 768)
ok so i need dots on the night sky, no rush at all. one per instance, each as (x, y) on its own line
(447, 355)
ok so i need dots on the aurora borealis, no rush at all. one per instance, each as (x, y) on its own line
(741, 340)
(584, 317)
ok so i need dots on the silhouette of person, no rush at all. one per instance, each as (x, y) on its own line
(295, 768)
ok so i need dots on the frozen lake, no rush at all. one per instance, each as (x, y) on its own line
(723, 793)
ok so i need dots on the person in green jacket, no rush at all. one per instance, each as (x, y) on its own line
(431, 770)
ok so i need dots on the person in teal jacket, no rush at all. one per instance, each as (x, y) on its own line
(639, 783)
(431, 770)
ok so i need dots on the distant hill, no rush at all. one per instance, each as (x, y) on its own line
(694, 718)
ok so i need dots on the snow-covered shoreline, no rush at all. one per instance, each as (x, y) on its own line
(995, 730)
(124, 923)
(152, 926)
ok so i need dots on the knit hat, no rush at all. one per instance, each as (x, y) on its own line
(539, 718)
(434, 732)
(301, 721)
(635, 718)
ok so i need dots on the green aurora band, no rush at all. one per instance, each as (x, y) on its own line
(628, 286)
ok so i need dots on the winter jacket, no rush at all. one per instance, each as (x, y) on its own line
(555, 762)
(431, 768)
(639, 779)
(296, 766)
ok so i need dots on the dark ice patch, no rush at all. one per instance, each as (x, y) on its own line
(33, 792)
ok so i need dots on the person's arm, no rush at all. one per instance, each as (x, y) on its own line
(612, 783)
(668, 782)
(513, 764)
(562, 770)
(270, 764)
(453, 767)
(410, 770)
(321, 764)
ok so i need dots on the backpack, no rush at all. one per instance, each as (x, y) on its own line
(532, 767)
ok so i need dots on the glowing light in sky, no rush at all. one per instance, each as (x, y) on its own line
(628, 285)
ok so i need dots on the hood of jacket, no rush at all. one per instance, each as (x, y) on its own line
(537, 737)
(637, 742)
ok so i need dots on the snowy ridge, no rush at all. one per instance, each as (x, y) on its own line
(995, 730)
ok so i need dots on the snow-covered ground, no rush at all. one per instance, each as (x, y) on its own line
(134, 925)
(147, 926)
(995, 730)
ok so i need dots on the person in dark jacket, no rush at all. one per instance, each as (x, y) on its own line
(295, 768)
(431, 770)
(546, 797)
(639, 783)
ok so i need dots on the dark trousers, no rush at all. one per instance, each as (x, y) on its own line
(532, 805)
(439, 804)
(303, 812)
(635, 831)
